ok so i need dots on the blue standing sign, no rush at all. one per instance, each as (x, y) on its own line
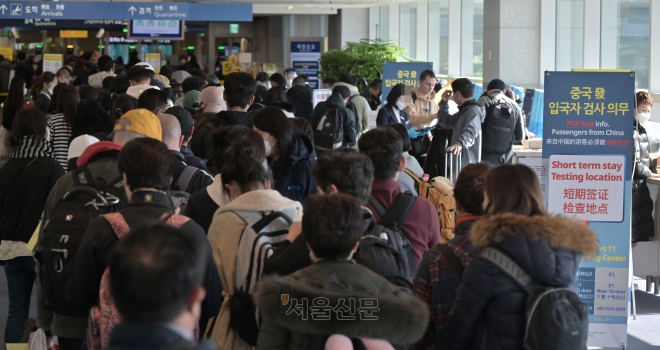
(588, 142)
(406, 73)
(305, 57)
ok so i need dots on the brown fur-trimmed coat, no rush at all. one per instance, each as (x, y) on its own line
(549, 248)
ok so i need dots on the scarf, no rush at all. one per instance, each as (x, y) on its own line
(32, 147)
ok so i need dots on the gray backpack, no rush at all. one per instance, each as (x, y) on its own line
(556, 318)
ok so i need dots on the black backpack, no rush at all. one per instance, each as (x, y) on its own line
(329, 133)
(498, 128)
(181, 197)
(350, 105)
(556, 318)
(63, 232)
(389, 231)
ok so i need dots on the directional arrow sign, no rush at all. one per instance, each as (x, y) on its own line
(132, 9)
(3, 8)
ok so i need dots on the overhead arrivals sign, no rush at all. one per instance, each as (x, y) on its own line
(241, 12)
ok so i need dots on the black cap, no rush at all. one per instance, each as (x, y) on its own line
(185, 119)
(496, 84)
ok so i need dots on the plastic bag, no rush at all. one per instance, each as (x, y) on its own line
(39, 341)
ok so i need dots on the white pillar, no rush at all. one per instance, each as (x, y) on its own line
(548, 38)
(454, 41)
(467, 38)
(654, 46)
(394, 22)
(591, 42)
(422, 31)
(374, 19)
(609, 50)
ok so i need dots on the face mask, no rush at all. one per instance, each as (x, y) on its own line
(24, 91)
(265, 164)
(289, 82)
(642, 118)
(400, 105)
(267, 145)
(50, 90)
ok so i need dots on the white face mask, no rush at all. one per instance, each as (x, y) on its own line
(24, 91)
(400, 105)
(50, 90)
(265, 164)
(642, 118)
(268, 147)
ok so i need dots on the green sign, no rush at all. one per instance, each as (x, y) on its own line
(221, 47)
(191, 48)
(233, 28)
(5, 33)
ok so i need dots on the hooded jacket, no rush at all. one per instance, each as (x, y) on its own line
(423, 111)
(225, 235)
(301, 98)
(549, 248)
(400, 319)
(361, 104)
(101, 160)
(336, 102)
(201, 144)
(466, 126)
(297, 182)
(136, 90)
(96, 80)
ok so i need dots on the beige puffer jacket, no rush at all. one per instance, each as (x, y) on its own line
(424, 112)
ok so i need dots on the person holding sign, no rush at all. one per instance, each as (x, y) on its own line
(642, 204)
(466, 124)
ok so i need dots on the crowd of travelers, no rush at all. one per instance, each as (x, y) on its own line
(158, 210)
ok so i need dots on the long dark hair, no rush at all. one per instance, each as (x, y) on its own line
(228, 141)
(273, 121)
(46, 77)
(14, 100)
(67, 103)
(276, 94)
(123, 104)
(52, 108)
(521, 195)
(30, 122)
(90, 118)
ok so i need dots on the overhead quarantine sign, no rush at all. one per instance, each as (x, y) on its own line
(588, 144)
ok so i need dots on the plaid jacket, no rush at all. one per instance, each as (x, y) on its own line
(436, 283)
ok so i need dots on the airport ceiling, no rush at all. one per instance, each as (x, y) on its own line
(294, 7)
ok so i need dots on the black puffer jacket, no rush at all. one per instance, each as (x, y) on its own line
(296, 182)
(549, 248)
(336, 102)
(301, 98)
(643, 227)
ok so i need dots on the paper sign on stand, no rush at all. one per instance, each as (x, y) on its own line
(320, 95)
(154, 60)
(52, 62)
(372, 120)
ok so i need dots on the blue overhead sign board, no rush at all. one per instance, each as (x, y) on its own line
(126, 11)
(155, 10)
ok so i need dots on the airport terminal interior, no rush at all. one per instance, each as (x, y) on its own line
(329, 174)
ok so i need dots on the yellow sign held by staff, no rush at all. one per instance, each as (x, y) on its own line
(226, 67)
(237, 69)
(7, 52)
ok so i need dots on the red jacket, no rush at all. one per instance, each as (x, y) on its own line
(421, 227)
